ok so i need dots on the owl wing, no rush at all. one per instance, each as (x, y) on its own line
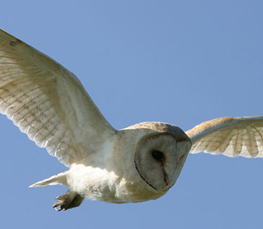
(232, 137)
(48, 103)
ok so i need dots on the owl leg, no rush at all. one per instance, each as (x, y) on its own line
(69, 200)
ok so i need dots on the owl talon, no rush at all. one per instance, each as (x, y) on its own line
(69, 200)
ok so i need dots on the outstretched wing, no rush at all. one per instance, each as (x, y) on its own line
(232, 137)
(48, 103)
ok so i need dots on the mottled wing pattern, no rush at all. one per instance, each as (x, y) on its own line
(232, 137)
(48, 103)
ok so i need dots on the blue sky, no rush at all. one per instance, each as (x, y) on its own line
(181, 62)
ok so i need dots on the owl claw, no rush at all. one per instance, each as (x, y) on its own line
(69, 200)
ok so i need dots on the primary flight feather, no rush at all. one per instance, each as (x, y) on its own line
(138, 163)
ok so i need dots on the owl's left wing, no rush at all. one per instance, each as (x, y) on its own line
(242, 136)
(48, 103)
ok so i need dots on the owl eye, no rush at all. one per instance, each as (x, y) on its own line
(157, 155)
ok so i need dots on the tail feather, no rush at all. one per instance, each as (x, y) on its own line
(60, 178)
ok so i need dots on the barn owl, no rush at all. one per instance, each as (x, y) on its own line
(138, 163)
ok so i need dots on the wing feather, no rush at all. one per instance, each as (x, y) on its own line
(48, 103)
(241, 136)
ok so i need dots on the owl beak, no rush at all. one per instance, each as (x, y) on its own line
(166, 178)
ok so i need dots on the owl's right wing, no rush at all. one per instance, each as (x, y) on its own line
(48, 103)
(242, 136)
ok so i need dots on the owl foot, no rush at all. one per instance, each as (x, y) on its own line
(69, 200)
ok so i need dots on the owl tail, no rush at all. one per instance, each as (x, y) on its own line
(60, 178)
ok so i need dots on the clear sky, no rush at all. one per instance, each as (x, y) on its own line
(181, 62)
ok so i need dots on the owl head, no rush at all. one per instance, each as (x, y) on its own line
(160, 154)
